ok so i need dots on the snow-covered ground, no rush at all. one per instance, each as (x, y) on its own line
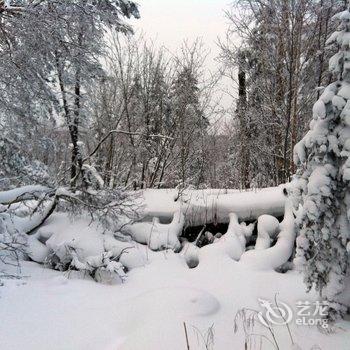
(160, 296)
(47, 309)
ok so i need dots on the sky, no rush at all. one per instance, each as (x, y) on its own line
(169, 22)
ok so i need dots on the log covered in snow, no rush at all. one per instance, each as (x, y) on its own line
(205, 206)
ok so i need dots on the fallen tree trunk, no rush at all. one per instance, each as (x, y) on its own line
(28, 224)
(201, 207)
(101, 203)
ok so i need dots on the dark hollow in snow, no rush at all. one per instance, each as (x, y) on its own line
(190, 233)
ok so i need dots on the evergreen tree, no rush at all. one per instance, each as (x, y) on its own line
(322, 182)
(191, 123)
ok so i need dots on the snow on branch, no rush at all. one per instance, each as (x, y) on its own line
(111, 132)
(24, 193)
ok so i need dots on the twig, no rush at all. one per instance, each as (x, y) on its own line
(46, 216)
(187, 342)
(126, 133)
(285, 321)
(199, 235)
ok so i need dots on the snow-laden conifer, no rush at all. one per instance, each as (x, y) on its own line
(322, 181)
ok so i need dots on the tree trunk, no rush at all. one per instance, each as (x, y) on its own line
(243, 119)
(77, 161)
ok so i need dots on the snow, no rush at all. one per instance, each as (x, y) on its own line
(337, 102)
(333, 38)
(157, 235)
(146, 305)
(267, 229)
(86, 241)
(319, 180)
(344, 39)
(203, 206)
(274, 257)
(319, 109)
(232, 244)
(16, 223)
(345, 91)
(328, 93)
(25, 192)
(334, 62)
(190, 253)
(343, 16)
(148, 310)
(36, 250)
(316, 136)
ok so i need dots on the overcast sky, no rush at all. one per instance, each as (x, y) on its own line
(169, 22)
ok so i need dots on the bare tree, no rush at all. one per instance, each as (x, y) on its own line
(283, 47)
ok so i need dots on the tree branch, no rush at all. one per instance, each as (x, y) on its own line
(125, 133)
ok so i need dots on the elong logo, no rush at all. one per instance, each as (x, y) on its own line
(280, 313)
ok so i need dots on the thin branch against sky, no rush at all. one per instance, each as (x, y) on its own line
(169, 22)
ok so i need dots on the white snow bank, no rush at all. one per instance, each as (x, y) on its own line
(232, 244)
(16, 223)
(85, 240)
(191, 254)
(37, 250)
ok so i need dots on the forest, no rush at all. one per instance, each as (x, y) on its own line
(149, 202)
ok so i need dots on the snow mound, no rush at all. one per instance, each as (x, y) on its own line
(157, 235)
(274, 257)
(267, 230)
(232, 244)
(174, 304)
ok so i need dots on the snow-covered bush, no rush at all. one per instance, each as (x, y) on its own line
(24, 210)
(322, 182)
(75, 246)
